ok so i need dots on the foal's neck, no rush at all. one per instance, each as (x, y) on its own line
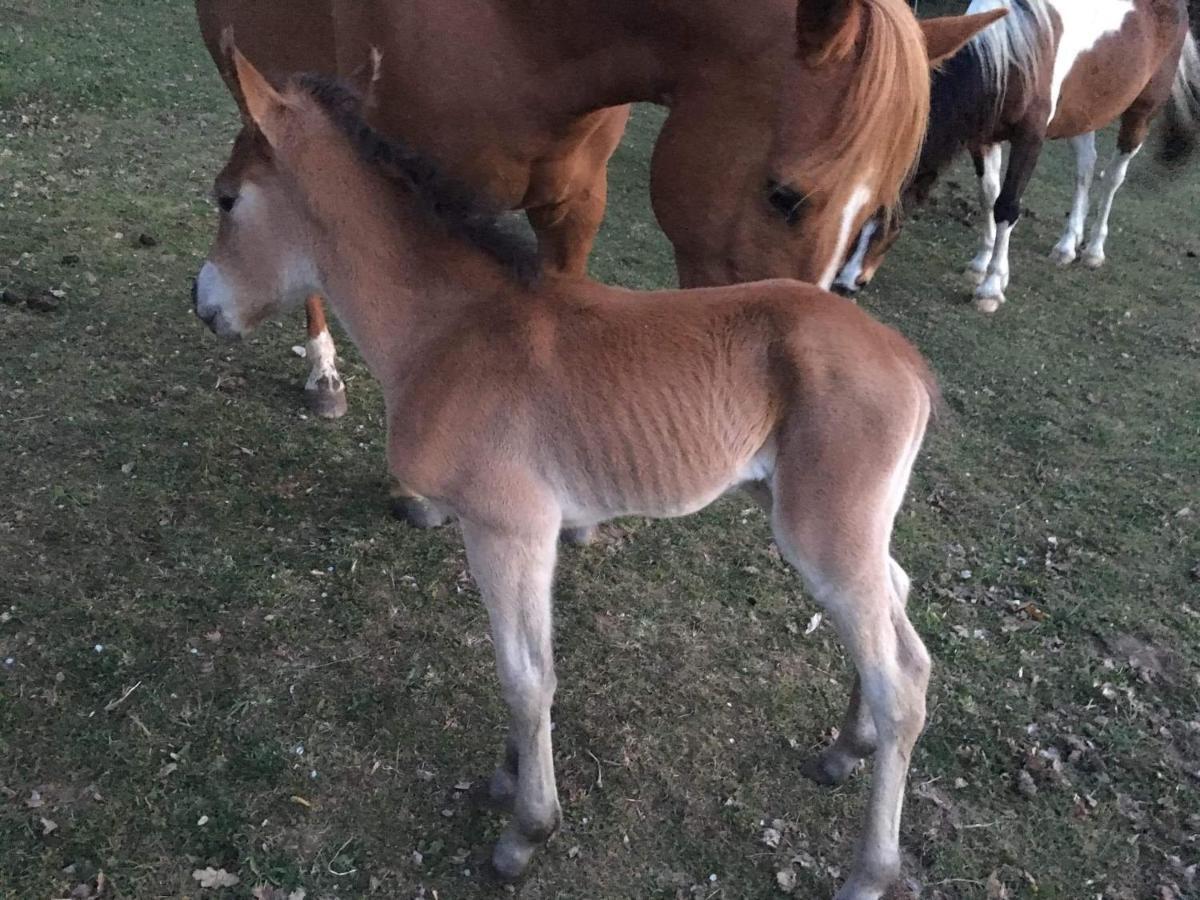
(393, 279)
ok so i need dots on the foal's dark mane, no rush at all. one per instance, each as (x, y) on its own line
(446, 202)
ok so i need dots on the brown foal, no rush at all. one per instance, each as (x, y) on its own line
(790, 120)
(522, 402)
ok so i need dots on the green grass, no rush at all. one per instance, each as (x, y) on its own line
(315, 678)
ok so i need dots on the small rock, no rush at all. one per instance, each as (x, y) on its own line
(1025, 785)
(44, 303)
(147, 240)
(771, 837)
(786, 879)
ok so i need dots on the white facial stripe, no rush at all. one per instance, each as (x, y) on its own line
(857, 201)
(1084, 23)
(852, 271)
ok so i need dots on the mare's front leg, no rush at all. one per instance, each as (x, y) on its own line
(1026, 148)
(987, 168)
(513, 565)
(324, 391)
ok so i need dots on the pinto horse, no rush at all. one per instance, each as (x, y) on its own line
(522, 403)
(790, 120)
(1051, 69)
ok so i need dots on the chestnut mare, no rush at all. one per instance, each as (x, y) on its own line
(791, 120)
(1051, 69)
(521, 404)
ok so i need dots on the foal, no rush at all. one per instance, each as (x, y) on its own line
(522, 404)
(1051, 69)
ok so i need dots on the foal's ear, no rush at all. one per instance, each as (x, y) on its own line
(945, 36)
(262, 103)
(826, 29)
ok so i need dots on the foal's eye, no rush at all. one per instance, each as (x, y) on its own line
(226, 201)
(785, 200)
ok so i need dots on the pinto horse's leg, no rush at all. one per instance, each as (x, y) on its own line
(514, 567)
(1085, 161)
(324, 391)
(987, 167)
(1135, 125)
(1026, 148)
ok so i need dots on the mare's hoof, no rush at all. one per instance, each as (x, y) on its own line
(988, 304)
(327, 399)
(417, 512)
(580, 537)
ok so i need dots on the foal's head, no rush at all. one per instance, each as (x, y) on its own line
(261, 262)
(778, 184)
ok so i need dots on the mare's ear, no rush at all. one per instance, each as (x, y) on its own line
(365, 78)
(826, 29)
(945, 36)
(263, 104)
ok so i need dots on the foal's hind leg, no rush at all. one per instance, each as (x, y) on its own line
(1085, 161)
(514, 568)
(1135, 124)
(834, 526)
(857, 738)
(324, 390)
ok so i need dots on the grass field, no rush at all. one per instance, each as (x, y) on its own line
(218, 651)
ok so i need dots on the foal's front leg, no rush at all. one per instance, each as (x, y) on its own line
(514, 568)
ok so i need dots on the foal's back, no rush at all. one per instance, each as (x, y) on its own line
(650, 403)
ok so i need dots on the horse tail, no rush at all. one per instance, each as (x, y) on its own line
(1182, 131)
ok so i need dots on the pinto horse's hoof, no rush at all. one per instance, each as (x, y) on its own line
(1093, 261)
(417, 512)
(1062, 257)
(975, 276)
(988, 304)
(327, 398)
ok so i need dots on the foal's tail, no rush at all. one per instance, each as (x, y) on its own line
(1182, 131)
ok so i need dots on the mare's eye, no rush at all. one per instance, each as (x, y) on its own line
(226, 201)
(785, 200)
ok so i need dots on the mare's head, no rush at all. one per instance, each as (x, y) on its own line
(775, 180)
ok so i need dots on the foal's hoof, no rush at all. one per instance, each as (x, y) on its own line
(580, 537)
(829, 769)
(512, 856)
(988, 304)
(417, 512)
(327, 398)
